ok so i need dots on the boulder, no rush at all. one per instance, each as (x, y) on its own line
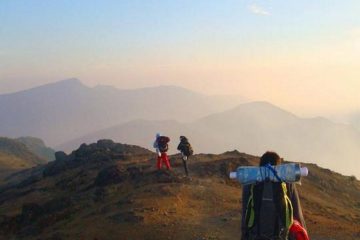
(60, 156)
(111, 175)
(105, 144)
(55, 167)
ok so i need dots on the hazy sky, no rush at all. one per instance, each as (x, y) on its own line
(303, 55)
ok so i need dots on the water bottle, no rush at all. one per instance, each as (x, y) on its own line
(290, 173)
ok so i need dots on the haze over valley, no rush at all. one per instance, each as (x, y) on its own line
(74, 114)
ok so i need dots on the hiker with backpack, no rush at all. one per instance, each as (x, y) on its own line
(186, 151)
(271, 210)
(161, 146)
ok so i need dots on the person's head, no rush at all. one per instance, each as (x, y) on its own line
(271, 158)
(158, 135)
(183, 138)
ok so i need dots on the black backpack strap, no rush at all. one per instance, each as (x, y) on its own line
(268, 216)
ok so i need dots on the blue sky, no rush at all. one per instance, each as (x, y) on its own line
(211, 46)
(115, 23)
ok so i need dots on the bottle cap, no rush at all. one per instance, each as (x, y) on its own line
(233, 175)
(304, 171)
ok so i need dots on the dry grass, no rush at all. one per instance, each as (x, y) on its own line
(205, 206)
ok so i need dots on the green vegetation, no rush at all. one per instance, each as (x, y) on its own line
(15, 155)
(38, 147)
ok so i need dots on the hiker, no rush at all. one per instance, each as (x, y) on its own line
(161, 146)
(186, 151)
(269, 209)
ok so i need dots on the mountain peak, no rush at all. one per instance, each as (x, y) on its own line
(168, 89)
(68, 82)
(259, 104)
(262, 107)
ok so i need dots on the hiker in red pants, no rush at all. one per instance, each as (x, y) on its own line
(161, 146)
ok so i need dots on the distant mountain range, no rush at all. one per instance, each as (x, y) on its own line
(253, 128)
(68, 113)
(68, 109)
(17, 154)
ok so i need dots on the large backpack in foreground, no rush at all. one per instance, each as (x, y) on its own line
(269, 212)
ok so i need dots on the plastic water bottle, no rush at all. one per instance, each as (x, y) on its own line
(290, 172)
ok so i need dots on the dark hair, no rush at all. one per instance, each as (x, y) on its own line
(270, 157)
(183, 138)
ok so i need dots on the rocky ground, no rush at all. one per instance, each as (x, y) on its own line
(108, 191)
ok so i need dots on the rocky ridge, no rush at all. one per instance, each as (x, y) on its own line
(115, 191)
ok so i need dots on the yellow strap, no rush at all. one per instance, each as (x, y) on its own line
(251, 205)
(288, 208)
